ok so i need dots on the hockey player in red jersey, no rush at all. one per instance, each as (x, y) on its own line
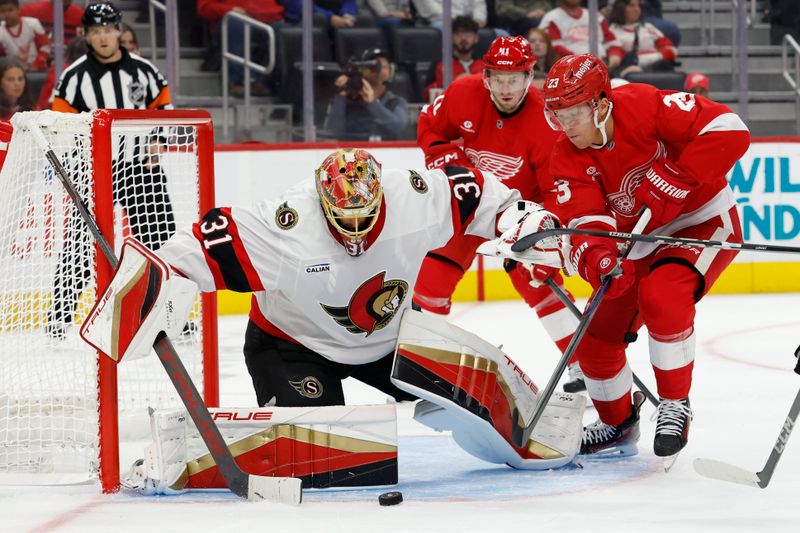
(619, 153)
(500, 118)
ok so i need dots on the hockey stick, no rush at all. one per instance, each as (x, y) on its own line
(728, 472)
(521, 437)
(529, 240)
(252, 487)
(577, 312)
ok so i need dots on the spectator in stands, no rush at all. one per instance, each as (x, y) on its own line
(336, 13)
(364, 109)
(568, 28)
(545, 55)
(43, 12)
(654, 15)
(465, 37)
(75, 49)
(696, 83)
(23, 38)
(519, 16)
(430, 11)
(646, 48)
(128, 40)
(390, 14)
(14, 92)
(267, 11)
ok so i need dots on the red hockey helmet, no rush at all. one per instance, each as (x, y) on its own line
(510, 53)
(349, 188)
(576, 79)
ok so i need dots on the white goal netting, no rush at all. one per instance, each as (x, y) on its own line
(49, 378)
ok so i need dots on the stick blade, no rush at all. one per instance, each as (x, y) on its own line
(726, 472)
(275, 489)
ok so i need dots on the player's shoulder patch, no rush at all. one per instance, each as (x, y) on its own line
(286, 217)
(418, 183)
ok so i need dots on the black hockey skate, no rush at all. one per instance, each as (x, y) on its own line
(620, 441)
(672, 429)
(576, 383)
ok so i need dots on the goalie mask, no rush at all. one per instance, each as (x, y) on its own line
(349, 187)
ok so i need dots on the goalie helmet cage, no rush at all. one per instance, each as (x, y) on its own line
(64, 408)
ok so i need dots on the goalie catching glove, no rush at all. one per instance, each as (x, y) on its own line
(143, 299)
(541, 260)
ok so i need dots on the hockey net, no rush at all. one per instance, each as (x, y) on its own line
(64, 408)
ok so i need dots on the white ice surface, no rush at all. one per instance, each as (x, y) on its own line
(743, 387)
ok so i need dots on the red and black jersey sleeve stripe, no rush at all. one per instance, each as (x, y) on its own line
(225, 253)
(466, 188)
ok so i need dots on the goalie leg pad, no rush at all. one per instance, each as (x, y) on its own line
(476, 391)
(331, 446)
(144, 298)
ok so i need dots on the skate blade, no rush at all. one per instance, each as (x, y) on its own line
(612, 453)
(669, 461)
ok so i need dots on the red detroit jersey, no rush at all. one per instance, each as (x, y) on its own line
(514, 147)
(703, 138)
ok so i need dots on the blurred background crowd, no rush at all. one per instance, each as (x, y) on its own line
(376, 62)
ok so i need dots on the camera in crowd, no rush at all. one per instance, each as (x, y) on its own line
(355, 78)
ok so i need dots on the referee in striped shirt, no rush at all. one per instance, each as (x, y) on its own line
(109, 77)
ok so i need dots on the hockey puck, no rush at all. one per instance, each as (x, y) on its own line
(390, 498)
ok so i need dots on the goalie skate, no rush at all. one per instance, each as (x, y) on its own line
(602, 439)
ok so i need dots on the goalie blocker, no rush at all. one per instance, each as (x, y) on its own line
(473, 389)
(144, 298)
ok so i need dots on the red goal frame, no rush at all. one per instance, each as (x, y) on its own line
(102, 124)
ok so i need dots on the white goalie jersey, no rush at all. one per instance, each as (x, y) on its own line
(305, 285)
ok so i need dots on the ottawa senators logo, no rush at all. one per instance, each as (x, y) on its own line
(285, 216)
(309, 386)
(417, 183)
(372, 306)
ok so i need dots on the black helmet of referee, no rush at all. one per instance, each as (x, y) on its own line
(101, 14)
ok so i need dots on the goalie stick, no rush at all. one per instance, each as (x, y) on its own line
(577, 312)
(252, 487)
(521, 437)
(727, 472)
(528, 241)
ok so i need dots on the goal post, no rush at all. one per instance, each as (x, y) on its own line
(64, 408)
